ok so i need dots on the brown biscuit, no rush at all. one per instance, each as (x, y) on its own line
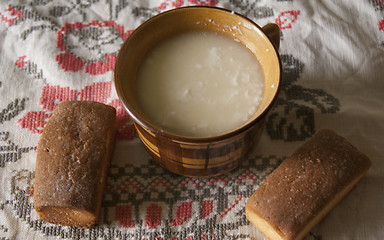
(73, 158)
(306, 186)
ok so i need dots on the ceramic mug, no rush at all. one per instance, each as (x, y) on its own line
(199, 156)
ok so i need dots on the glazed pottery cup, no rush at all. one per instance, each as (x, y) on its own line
(198, 156)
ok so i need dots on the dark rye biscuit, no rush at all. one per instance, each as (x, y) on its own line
(306, 186)
(73, 158)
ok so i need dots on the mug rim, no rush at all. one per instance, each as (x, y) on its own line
(181, 138)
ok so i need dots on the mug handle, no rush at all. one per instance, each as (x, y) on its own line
(273, 32)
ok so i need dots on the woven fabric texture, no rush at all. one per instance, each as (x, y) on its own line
(332, 55)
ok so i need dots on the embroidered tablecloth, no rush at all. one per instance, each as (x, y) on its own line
(332, 54)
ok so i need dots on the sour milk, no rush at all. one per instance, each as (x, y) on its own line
(200, 84)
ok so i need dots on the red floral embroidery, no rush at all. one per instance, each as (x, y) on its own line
(183, 213)
(205, 236)
(167, 4)
(99, 92)
(102, 66)
(207, 208)
(232, 206)
(170, 3)
(131, 184)
(158, 183)
(68, 62)
(107, 32)
(189, 181)
(123, 214)
(10, 15)
(217, 179)
(285, 19)
(34, 121)
(381, 25)
(21, 62)
(52, 95)
(246, 176)
(153, 216)
(204, 2)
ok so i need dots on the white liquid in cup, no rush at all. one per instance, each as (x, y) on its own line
(200, 84)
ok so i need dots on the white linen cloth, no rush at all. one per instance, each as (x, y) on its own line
(333, 77)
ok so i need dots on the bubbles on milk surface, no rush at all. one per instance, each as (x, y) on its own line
(200, 84)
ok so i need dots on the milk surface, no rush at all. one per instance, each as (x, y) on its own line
(200, 84)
